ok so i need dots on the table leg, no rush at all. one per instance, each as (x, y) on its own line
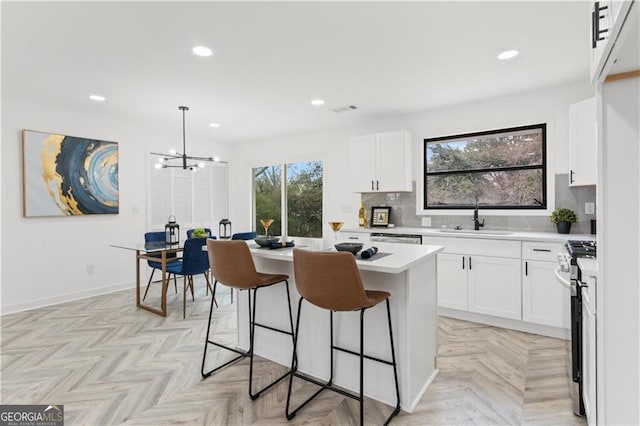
(138, 278)
(165, 283)
(139, 304)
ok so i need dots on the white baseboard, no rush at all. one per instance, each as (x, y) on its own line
(62, 298)
(527, 327)
(416, 401)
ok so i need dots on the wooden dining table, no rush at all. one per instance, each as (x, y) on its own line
(156, 252)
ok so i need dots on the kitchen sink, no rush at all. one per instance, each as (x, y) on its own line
(473, 232)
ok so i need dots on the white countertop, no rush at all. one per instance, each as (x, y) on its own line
(402, 257)
(484, 233)
(588, 267)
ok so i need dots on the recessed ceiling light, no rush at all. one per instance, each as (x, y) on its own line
(202, 51)
(214, 125)
(98, 98)
(317, 102)
(508, 54)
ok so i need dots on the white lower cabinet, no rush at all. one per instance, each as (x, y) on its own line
(480, 276)
(494, 286)
(452, 281)
(544, 300)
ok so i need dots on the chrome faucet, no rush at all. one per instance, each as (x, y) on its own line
(476, 222)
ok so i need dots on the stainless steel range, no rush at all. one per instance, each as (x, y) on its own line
(568, 274)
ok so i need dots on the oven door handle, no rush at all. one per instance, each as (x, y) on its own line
(561, 279)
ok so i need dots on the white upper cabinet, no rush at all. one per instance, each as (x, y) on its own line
(582, 143)
(607, 17)
(382, 162)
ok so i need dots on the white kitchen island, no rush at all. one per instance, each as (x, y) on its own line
(408, 273)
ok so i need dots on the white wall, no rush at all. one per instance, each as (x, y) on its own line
(332, 146)
(44, 260)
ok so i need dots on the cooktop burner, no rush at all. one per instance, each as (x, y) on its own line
(578, 248)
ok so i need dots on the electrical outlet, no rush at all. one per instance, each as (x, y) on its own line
(589, 208)
(426, 221)
(91, 269)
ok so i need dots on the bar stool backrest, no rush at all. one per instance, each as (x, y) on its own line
(232, 264)
(329, 280)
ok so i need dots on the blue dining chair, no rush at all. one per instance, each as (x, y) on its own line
(190, 233)
(194, 261)
(244, 236)
(156, 237)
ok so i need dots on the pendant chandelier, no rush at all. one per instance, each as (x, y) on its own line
(181, 160)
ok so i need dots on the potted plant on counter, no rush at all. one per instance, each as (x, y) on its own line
(563, 218)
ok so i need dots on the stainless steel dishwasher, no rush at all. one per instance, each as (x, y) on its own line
(396, 238)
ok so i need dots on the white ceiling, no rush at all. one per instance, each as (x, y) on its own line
(271, 59)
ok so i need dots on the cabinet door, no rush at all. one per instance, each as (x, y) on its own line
(363, 163)
(582, 143)
(452, 281)
(588, 360)
(543, 299)
(394, 161)
(603, 23)
(494, 286)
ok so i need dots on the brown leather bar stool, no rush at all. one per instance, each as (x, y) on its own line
(331, 280)
(232, 265)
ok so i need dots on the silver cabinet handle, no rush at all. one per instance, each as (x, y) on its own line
(546, 250)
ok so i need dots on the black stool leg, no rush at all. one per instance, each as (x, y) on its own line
(208, 341)
(395, 367)
(361, 355)
(294, 357)
(361, 366)
(252, 325)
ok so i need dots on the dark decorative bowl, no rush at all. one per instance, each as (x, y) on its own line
(352, 247)
(266, 240)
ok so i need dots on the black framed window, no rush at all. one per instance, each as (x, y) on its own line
(498, 169)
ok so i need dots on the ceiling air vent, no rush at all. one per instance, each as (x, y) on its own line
(345, 108)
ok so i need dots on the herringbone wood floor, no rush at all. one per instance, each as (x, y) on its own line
(109, 363)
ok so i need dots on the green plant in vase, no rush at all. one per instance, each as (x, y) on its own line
(199, 233)
(563, 218)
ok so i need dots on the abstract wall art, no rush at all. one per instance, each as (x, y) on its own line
(68, 176)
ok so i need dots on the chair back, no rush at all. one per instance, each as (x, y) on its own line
(194, 260)
(232, 264)
(244, 236)
(329, 280)
(207, 230)
(156, 237)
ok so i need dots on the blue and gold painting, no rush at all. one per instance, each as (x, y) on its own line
(69, 176)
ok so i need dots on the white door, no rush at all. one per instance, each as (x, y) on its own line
(543, 300)
(394, 161)
(494, 286)
(452, 281)
(363, 163)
